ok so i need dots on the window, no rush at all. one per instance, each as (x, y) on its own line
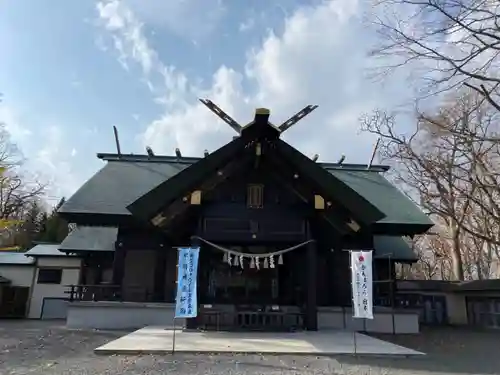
(255, 196)
(484, 312)
(49, 276)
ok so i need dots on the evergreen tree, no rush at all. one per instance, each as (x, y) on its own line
(55, 229)
(31, 226)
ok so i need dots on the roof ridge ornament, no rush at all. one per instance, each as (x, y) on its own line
(297, 117)
(259, 112)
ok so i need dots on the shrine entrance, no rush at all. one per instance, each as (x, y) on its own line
(263, 293)
(234, 285)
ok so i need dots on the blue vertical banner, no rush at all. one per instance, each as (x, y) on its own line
(186, 301)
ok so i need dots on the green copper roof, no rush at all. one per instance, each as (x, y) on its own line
(123, 180)
(86, 238)
(119, 183)
(396, 248)
(374, 187)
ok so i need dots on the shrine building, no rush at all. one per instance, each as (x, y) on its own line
(274, 227)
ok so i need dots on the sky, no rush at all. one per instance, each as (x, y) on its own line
(71, 70)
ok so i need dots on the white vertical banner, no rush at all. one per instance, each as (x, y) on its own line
(362, 284)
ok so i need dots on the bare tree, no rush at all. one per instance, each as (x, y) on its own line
(447, 43)
(452, 177)
(17, 191)
(433, 260)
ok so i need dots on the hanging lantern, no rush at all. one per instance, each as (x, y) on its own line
(252, 263)
(280, 259)
(236, 261)
(266, 263)
(271, 261)
(257, 263)
(241, 261)
(224, 258)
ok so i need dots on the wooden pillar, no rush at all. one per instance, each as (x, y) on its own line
(84, 270)
(98, 271)
(159, 274)
(118, 264)
(311, 303)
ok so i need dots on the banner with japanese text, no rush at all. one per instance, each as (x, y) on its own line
(362, 284)
(186, 302)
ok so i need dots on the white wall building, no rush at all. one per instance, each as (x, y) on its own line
(17, 268)
(47, 272)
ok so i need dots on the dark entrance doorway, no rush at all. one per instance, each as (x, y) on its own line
(236, 285)
(255, 298)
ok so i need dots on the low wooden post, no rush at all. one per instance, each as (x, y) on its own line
(159, 274)
(311, 298)
(119, 266)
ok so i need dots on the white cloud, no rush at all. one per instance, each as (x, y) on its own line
(131, 41)
(247, 25)
(132, 45)
(53, 161)
(319, 58)
(12, 124)
(189, 19)
(47, 156)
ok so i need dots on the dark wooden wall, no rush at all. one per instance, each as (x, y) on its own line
(226, 217)
(284, 219)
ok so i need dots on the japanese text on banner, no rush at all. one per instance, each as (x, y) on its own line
(186, 303)
(362, 284)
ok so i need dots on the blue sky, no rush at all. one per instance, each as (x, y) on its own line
(70, 70)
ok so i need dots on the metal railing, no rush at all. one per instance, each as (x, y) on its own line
(108, 292)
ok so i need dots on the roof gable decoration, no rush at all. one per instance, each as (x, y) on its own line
(182, 184)
(258, 112)
(175, 193)
(146, 177)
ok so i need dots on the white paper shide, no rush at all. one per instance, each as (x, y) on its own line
(362, 284)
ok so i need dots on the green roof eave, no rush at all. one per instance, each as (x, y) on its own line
(393, 247)
(90, 238)
(397, 207)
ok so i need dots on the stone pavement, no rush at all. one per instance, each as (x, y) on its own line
(48, 348)
(160, 340)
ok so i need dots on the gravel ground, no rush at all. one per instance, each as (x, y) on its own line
(34, 347)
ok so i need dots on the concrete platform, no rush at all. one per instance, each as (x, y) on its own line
(159, 340)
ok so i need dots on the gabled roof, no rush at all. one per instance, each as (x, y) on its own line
(85, 238)
(362, 208)
(45, 250)
(15, 259)
(104, 193)
(373, 186)
(145, 188)
(146, 206)
(121, 181)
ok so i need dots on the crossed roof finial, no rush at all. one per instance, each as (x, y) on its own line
(238, 128)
